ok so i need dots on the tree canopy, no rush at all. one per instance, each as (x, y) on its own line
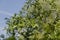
(38, 20)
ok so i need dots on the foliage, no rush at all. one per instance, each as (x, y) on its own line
(10, 38)
(38, 20)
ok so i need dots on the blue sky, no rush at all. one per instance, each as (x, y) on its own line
(7, 9)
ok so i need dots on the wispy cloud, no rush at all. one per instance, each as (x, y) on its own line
(6, 13)
(2, 31)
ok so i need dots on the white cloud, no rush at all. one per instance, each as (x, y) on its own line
(2, 31)
(6, 13)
